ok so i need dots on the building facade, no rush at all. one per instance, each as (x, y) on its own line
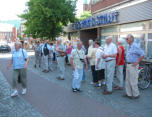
(117, 18)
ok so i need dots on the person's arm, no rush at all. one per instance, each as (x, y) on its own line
(10, 64)
(27, 59)
(71, 61)
(120, 53)
(26, 64)
(86, 64)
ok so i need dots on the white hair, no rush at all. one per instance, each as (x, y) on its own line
(91, 41)
(121, 40)
(18, 43)
(59, 39)
(109, 37)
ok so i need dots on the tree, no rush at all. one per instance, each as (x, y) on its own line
(46, 18)
(85, 15)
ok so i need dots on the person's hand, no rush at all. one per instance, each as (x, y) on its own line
(104, 56)
(86, 67)
(73, 68)
(135, 64)
(8, 67)
(96, 66)
(25, 66)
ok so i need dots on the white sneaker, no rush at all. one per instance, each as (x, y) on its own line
(99, 85)
(15, 93)
(24, 91)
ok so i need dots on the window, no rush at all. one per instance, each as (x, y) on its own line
(150, 25)
(133, 27)
(149, 51)
(139, 39)
(103, 39)
(95, 1)
(109, 29)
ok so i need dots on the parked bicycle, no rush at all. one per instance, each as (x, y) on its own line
(145, 75)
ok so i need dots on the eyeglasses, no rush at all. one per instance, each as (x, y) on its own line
(127, 38)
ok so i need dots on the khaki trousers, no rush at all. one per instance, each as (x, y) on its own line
(131, 83)
(22, 73)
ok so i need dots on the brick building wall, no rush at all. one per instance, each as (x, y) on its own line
(104, 3)
(14, 34)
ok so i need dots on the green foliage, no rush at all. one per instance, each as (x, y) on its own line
(46, 18)
(85, 15)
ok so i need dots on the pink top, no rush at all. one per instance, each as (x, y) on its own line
(69, 49)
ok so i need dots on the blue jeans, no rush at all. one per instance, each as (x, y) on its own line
(76, 83)
(83, 76)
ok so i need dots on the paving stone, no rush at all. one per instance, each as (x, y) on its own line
(13, 107)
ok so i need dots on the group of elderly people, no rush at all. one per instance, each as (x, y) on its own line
(103, 61)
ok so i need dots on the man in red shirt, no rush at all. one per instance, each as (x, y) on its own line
(120, 65)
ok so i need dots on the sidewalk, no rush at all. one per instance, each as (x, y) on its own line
(141, 107)
(14, 107)
(52, 100)
(51, 96)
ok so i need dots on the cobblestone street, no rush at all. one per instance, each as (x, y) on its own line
(48, 97)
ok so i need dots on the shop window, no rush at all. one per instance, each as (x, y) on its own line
(133, 27)
(149, 49)
(103, 39)
(150, 25)
(139, 39)
(109, 29)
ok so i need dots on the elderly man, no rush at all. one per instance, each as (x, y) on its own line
(60, 54)
(134, 56)
(37, 50)
(20, 62)
(110, 53)
(77, 61)
(45, 51)
(119, 65)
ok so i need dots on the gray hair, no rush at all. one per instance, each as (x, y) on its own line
(130, 36)
(18, 43)
(79, 41)
(109, 37)
(120, 40)
(91, 41)
(59, 39)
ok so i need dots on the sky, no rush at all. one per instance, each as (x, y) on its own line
(9, 9)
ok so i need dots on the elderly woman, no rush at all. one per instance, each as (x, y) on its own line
(20, 62)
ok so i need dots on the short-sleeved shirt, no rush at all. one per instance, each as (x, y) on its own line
(122, 55)
(110, 49)
(133, 53)
(37, 49)
(99, 54)
(69, 49)
(18, 58)
(60, 47)
(76, 55)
